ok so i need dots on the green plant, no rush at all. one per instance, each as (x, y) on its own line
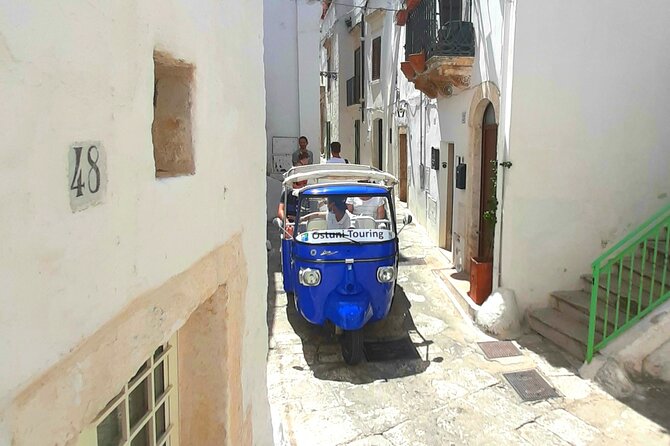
(492, 202)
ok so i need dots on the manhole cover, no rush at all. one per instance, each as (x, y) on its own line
(377, 351)
(499, 349)
(530, 385)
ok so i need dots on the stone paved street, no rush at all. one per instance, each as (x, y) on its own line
(452, 395)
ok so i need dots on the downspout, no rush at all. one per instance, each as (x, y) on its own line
(506, 116)
(422, 149)
(363, 98)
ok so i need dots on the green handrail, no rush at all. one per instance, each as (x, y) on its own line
(634, 293)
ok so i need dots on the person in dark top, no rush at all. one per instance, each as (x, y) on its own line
(288, 204)
(300, 151)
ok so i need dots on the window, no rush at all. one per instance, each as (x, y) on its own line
(328, 139)
(379, 137)
(357, 141)
(145, 412)
(376, 57)
(328, 68)
(346, 215)
(450, 11)
(171, 128)
(354, 83)
(358, 75)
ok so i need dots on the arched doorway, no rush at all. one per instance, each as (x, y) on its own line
(488, 203)
(481, 267)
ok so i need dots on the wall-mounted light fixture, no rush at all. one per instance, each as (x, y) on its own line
(402, 108)
(329, 74)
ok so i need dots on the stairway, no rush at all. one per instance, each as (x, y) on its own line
(566, 321)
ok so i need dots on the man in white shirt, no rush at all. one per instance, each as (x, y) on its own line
(335, 149)
(367, 206)
(338, 216)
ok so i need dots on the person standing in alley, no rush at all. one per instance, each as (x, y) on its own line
(302, 148)
(335, 149)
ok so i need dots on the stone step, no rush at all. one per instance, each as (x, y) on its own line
(560, 329)
(648, 270)
(577, 305)
(637, 282)
(611, 299)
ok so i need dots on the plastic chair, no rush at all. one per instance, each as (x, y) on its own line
(365, 222)
(316, 225)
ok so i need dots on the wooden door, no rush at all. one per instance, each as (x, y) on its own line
(402, 174)
(488, 193)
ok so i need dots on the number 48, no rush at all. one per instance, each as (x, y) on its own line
(77, 184)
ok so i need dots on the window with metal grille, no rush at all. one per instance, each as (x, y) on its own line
(145, 412)
(376, 58)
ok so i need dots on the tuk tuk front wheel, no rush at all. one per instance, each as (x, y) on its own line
(352, 346)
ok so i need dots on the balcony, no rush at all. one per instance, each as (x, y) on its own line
(439, 53)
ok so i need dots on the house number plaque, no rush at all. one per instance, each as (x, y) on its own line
(87, 174)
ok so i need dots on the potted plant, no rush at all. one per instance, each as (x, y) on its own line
(481, 268)
(418, 61)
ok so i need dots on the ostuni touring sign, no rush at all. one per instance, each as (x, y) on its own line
(346, 235)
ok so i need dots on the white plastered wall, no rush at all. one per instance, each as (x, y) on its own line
(379, 93)
(89, 76)
(291, 58)
(280, 57)
(588, 138)
(448, 120)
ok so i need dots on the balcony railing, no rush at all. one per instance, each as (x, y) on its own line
(353, 91)
(454, 38)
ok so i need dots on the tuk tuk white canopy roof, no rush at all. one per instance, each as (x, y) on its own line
(338, 172)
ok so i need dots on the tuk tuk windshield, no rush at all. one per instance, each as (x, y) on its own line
(344, 219)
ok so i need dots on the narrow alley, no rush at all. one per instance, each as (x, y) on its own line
(448, 394)
(475, 204)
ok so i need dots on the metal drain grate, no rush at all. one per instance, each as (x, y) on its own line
(377, 351)
(499, 349)
(530, 385)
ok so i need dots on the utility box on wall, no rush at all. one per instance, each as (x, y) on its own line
(461, 170)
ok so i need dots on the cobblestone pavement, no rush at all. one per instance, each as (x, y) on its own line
(452, 395)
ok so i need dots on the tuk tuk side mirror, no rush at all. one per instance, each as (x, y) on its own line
(278, 223)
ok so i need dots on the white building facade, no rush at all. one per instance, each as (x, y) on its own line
(360, 51)
(292, 82)
(134, 304)
(576, 120)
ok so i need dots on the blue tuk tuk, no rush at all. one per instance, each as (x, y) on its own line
(340, 251)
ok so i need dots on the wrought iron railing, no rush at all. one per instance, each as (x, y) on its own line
(453, 38)
(629, 281)
(421, 27)
(353, 91)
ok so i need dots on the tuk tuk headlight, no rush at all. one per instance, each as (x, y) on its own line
(385, 274)
(309, 277)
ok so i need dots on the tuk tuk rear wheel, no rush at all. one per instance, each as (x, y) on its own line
(352, 346)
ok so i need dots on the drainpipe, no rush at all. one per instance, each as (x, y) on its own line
(506, 116)
(363, 98)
